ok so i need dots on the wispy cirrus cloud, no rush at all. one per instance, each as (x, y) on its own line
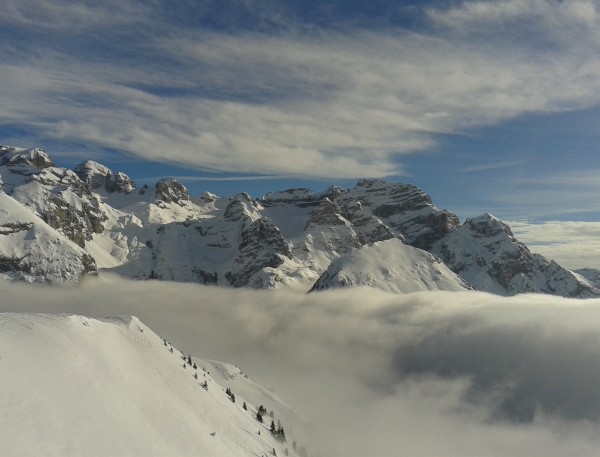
(331, 103)
(494, 166)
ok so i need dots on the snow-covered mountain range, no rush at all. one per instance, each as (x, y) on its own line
(57, 225)
(74, 385)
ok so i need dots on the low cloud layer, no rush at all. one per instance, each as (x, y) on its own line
(426, 374)
(313, 101)
(572, 244)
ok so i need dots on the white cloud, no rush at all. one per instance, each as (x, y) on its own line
(426, 374)
(334, 104)
(493, 166)
(504, 16)
(571, 244)
(65, 15)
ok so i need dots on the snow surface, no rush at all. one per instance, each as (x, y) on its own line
(73, 385)
(391, 266)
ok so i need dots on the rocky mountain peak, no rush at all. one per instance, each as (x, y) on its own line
(170, 190)
(34, 157)
(333, 193)
(487, 226)
(486, 254)
(123, 183)
(291, 195)
(97, 177)
(240, 207)
(262, 247)
(326, 214)
(371, 183)
(406, 209)
(208, 197)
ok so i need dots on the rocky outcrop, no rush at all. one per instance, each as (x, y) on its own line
(122, 183)
(241, 207)
(170, 190)
(34, 157)
(405, 209)
(326, 214)
(486, 254)
(98, 177)
(262, 247)
(32, 251)
(56, 195)
(77, 223)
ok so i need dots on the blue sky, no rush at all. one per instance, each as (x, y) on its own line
(487, 105)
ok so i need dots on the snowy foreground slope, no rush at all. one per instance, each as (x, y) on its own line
(57, 225)
(73, 385)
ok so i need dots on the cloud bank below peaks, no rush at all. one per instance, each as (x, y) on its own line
(311, 102)
(424, 374)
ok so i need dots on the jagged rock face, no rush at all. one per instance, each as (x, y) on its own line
(262, 247)
(208, 197)
(407, 210)
(62, 179)
(368, 227)
(93, 174)
(98, 177)
(123, 183)
(327, 224)
(241, 207)
(55, 194)
(326, 214)
(64, 202)
(32, 251)
(291, 195)
(78, 225)
(27, 268)
(171, 191)
(35, 157)
(487, 255)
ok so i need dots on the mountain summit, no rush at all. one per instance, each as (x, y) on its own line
(57, 225)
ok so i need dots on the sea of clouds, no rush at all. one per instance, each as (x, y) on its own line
(424, 374)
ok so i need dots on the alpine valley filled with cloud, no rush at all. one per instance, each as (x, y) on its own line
(283, 228)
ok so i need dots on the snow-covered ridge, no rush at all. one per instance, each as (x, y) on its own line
(287, 238)
(73, 385)
(390, 266)
(486, 254)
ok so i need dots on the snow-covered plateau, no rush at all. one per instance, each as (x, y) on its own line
(57, 225)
